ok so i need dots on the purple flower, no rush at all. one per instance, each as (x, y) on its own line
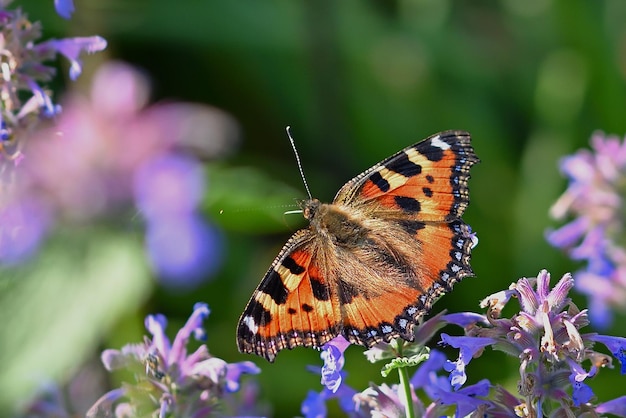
(332, 354)
(314, 405)
(468, 348)
(170, 380)
(64, 8)
(379, 400)
(616, 406)
(466, 399)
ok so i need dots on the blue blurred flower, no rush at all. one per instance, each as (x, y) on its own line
(183, 248)
(169, 381)
(64, 8)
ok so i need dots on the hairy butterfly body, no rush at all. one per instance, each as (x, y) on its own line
(372, 262)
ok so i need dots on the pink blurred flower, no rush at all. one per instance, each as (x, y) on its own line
(109, 154)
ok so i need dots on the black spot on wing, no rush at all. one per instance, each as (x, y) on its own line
(294, 268)
(275, 288)
(408, 204)
(259, 314)
(428, 192)
(319, 289)
(431, 152)
(379, 181)
(347, 292)
(411, 227)
(430, 178)
(291, 311)
(307, 308)
(402, 165)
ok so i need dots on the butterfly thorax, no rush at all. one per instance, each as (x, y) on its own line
(334, 223)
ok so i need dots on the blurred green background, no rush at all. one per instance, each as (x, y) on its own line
(357, 81)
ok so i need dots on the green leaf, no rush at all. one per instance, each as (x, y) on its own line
(56, 307)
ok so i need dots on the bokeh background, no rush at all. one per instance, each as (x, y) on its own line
(357, 81)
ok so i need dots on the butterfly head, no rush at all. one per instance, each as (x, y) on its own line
(310, 208)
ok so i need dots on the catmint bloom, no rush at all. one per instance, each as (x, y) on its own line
(170, 381)
(594, 200)
(545, 336)
(24, 72)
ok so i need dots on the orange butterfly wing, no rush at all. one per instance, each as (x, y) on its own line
(373, 262)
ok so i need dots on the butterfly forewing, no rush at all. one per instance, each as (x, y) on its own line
(427, 181)
(373, 262)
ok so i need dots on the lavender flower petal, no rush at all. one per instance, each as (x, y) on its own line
(615, 406)
(71, 48)
(616, 345)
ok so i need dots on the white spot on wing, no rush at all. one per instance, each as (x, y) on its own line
(436, 142)
(252, 326)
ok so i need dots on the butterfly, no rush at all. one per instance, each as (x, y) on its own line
(370, 264)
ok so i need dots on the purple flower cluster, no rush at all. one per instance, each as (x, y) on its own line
(555, 361)
(24, 102)
(169, 381)
(595, 200)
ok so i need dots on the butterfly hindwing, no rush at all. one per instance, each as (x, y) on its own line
(293, 306)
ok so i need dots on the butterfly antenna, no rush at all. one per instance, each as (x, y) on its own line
(295, 151)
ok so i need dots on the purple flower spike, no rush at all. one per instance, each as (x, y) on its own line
(64, 8)
(593, 200)
(168, 382)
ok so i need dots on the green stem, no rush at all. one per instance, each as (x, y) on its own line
(406, 385)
